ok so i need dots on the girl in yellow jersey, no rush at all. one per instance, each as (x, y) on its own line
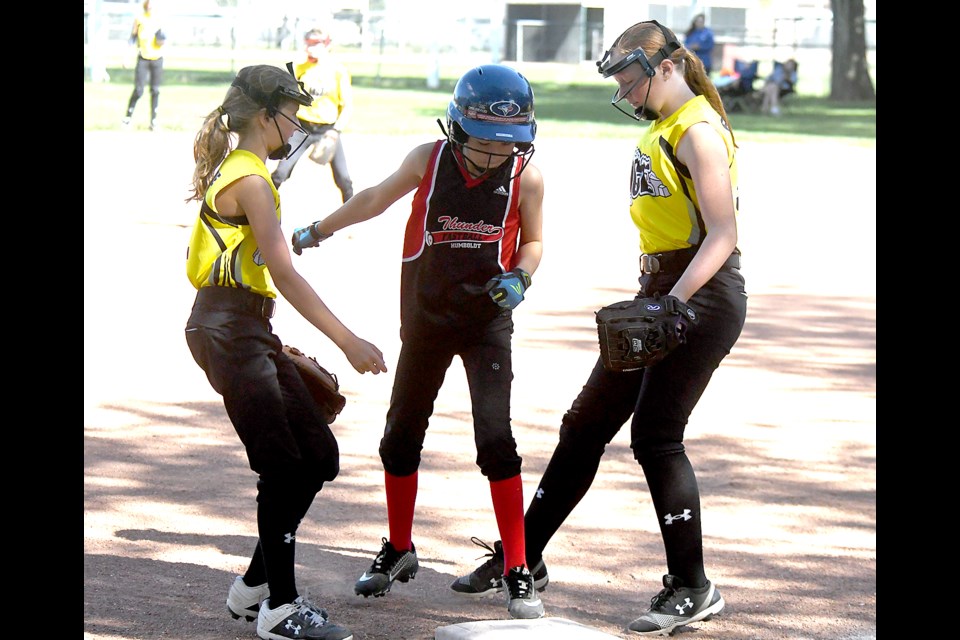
(148, 36)
(683, 190)
(239, 261)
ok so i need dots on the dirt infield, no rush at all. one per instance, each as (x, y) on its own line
(783, 442)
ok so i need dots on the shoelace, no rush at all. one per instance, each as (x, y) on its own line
(320, 611)
(381, 560)
(520, 588)
(657, 601)
(381, 557)
(311, 615)
(492, 552)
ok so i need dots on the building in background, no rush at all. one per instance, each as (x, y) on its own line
(558, 31)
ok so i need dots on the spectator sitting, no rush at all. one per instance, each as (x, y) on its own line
(778, 84)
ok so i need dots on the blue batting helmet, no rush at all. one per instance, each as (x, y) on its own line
(492, 102)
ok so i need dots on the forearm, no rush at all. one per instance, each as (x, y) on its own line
(361, 207)
(344, 117)
(714, 251)
(529, 255)
(298, 292)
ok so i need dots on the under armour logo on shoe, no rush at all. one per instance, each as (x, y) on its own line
(292, 627)
(500, 191)
(668, 519)
(289, 538)
(686, 603)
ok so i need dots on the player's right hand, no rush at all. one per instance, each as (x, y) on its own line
(306, 237)
(365, 357)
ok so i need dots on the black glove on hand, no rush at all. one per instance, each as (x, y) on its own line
(507, 289)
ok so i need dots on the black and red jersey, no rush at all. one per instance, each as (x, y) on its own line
(462, 231)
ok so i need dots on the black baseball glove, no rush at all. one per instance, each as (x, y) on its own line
(641, 332)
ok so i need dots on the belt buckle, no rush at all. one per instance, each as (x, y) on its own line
(649, 263)
(268, 308)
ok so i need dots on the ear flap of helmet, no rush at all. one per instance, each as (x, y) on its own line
(454, 131)
(457, 133)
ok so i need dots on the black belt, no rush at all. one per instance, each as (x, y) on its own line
(677, 261)
(233, 299)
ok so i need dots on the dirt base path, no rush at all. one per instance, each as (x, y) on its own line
(783, 442)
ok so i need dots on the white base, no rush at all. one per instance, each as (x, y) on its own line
(540, 629)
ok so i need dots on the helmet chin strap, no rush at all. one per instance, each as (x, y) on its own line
(462, 158)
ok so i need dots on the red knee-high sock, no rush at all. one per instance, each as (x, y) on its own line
(508, 506)
(401, 501)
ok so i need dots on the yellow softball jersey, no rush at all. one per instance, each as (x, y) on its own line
(663, 202)
(146, 27)
(223, 251)
(329, 83)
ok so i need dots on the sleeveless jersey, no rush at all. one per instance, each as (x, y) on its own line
(146, 26)
(329, 83)
(223, 251)
(663, 202)
(462, 231)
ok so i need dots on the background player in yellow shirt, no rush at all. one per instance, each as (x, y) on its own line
(328, 81)
(149, 38)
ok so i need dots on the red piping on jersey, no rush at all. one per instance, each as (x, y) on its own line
(417, 222)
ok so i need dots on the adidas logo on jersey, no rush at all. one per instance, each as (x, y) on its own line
(500, 191)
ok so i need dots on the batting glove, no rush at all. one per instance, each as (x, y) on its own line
(306, 237)
(507, 289)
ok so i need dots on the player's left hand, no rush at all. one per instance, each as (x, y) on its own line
(507, 289)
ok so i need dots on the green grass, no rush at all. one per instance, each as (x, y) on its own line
(401, 105)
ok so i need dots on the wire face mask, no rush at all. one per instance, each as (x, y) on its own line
(608, 68)
(286, 150)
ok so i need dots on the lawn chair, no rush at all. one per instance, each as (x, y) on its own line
(740, 95)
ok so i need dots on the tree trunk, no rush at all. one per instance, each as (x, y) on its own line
(849, 79)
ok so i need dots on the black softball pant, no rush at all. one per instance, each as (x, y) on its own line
(421, 368)
(660, 399)
(286, 438)
(146, 71)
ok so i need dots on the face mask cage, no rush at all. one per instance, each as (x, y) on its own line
(285, 151)
(606, 67)
(458, 138)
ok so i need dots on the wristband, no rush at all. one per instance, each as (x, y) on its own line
(320, 234)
